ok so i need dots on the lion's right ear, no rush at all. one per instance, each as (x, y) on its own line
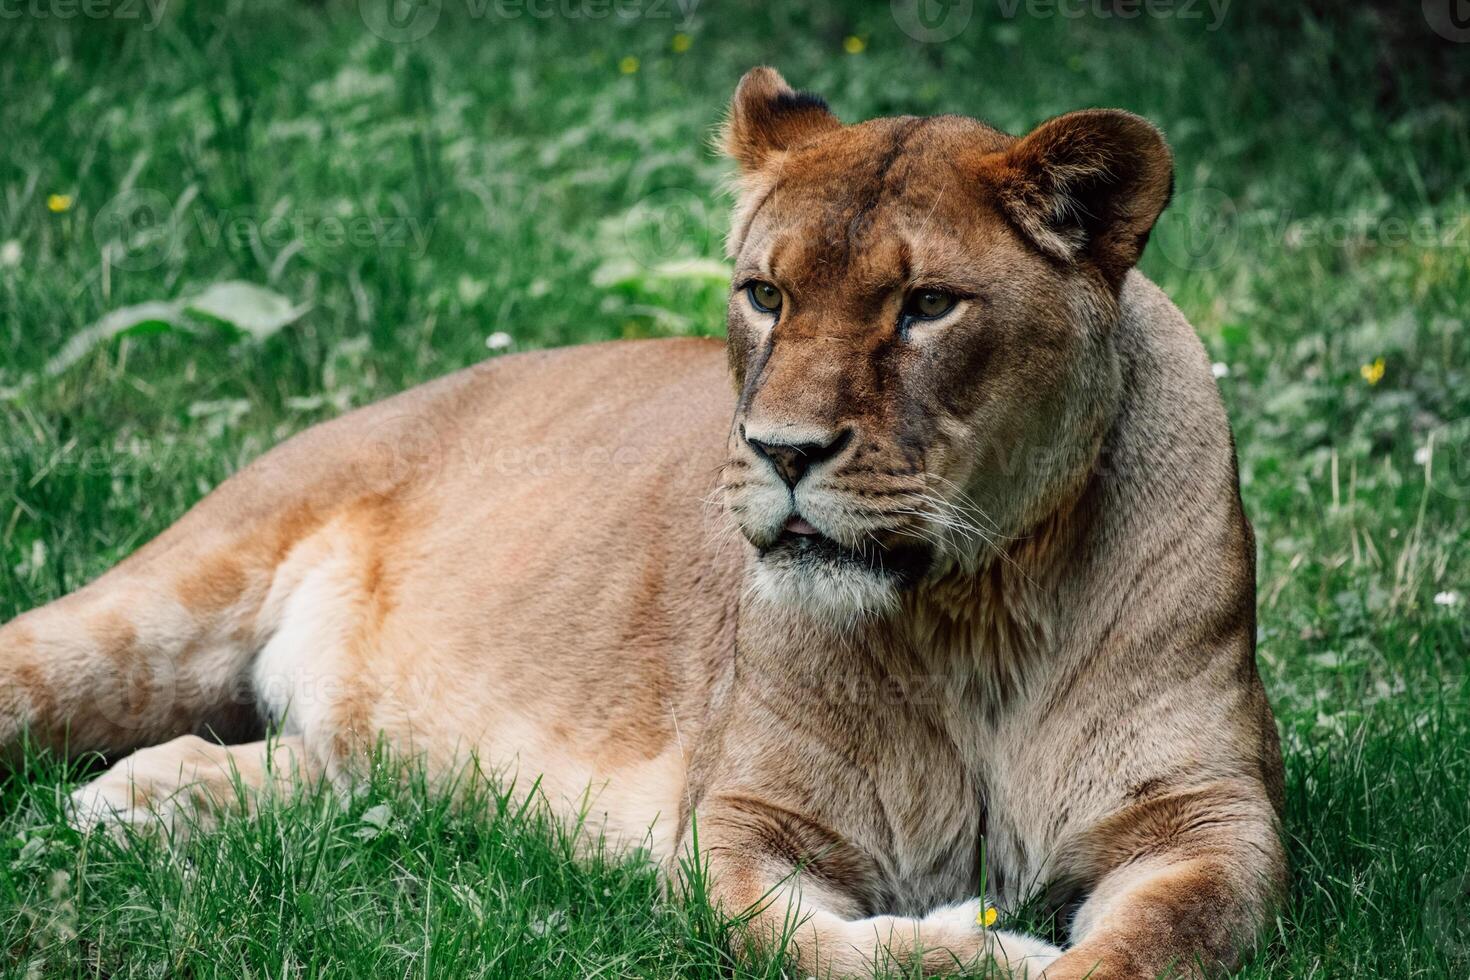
(768, 116)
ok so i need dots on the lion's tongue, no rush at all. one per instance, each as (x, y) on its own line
(798, 526)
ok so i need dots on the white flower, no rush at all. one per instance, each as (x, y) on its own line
(1421, 455)
(1447, 599)
(499, 340)
(470, 290)
(1220, 369)
(553, 923)
(10, 254)
(36, 561)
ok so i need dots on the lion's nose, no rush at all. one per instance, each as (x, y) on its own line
(791, 460)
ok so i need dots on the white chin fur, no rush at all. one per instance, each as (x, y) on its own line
(839, 594)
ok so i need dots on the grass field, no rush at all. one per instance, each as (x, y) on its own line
(509, 181)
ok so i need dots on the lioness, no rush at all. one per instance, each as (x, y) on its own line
(952, 585)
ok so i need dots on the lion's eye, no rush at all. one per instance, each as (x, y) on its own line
(928, 304)
(764, 297)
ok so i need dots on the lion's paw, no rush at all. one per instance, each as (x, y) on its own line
(164, 787)
(1022, 955)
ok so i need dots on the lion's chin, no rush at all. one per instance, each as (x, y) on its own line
(821, 577)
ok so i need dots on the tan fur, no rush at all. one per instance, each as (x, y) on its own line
(184, 783)
(1021, 649)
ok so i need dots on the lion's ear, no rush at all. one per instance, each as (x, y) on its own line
(1088, 184)
(768, 116)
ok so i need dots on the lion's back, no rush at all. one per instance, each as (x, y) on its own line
(565, 561)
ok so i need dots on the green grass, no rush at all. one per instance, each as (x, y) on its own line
(1322, 222)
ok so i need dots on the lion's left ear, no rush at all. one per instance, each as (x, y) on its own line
(1088, 184)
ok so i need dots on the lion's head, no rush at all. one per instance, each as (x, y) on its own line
(920, 332)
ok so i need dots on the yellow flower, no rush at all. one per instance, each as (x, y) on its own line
(1372, 373)
(986, 916)
(681, 43)
(854, 44)
(58, 203)
(628, 65)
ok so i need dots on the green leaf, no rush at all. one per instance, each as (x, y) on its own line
(249, 308)
(144, 318)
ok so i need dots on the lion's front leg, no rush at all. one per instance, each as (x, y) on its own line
(185, 784)
(1184, 883)
(817, 908)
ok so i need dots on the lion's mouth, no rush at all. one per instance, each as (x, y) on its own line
(801, 544)
(800, 526)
